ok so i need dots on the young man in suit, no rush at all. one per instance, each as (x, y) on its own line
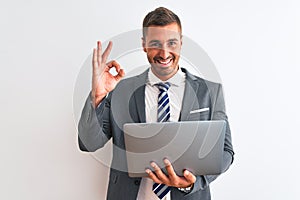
(113, 102)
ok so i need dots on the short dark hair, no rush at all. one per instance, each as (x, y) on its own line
(160, 17)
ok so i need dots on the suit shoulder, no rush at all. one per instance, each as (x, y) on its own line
(135, 79)
(210, 84)
(128, 80)
(200, 80)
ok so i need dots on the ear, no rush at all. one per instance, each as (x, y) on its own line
(144, 45)
(180, 40)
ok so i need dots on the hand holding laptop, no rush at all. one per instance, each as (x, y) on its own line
(171, 179)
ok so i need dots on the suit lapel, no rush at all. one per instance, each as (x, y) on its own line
(190, 100)
(139, 95)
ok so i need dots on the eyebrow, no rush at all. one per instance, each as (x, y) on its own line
(173, 40)
(154, 41)
(157, 41)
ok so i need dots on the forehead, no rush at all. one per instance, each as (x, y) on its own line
(169, 31)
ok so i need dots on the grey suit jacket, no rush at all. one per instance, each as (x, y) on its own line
(125, 104)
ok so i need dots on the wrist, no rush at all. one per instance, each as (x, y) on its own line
(187, 189)
(96, 99)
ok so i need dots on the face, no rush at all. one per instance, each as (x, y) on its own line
(162, 45)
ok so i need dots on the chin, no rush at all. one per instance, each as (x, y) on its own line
(163, 71)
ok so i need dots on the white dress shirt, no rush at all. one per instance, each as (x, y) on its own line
(175, 94)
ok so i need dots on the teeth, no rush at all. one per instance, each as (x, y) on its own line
(164, 62)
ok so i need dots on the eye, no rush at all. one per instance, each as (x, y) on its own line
(172, 43)
(154, 44)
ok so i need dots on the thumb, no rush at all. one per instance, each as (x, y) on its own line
(190, 177)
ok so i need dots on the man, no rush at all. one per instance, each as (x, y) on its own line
(112, 103)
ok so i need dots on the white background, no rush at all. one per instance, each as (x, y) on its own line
(43, 45)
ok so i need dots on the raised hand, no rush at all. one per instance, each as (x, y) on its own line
(102, 80)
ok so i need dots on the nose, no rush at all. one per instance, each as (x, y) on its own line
(164, 53)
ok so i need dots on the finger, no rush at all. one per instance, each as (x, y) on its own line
(160, 175)
(152, 176)
(120, 75)
(107, 52)
(190, 177)
(95, 63)
(114, 64)
(170, 169)
(99, 52)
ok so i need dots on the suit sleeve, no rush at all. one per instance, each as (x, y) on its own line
(218, 113)
(94, 127)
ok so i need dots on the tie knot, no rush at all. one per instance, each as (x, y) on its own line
(163, 86)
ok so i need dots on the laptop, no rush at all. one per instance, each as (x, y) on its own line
(193, 145)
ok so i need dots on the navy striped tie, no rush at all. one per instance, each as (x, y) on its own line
(163, 107)
(163, 115)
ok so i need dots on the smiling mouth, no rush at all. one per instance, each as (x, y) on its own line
(164, 62)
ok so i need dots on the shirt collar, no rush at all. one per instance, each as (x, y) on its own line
(175, 80)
